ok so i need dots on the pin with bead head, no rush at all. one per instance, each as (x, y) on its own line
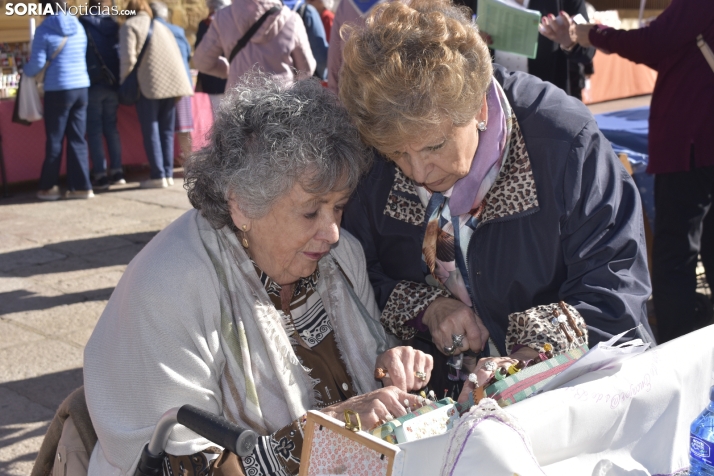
(477, 393)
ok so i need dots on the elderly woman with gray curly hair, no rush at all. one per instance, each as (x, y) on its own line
(255, 305)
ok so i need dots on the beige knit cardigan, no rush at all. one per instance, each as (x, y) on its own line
(161, 72)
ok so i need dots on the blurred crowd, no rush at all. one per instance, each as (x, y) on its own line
(87, 59)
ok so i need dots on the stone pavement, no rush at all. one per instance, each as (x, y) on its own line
(59, 263)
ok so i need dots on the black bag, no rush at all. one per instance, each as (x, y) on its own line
(251, 31)
(129, 92)
(99, 72)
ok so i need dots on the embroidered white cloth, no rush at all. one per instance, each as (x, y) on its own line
(190, 322)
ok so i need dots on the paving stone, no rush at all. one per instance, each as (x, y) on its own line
(58, 321)
(11, 283)
(87, 279)
(16, 409)
(60, 231)
(11, 260)
(68, 265)
(87, 246)
(173, 197)
(42, 357)
(48, 390)
(18, 449)
(10, 242)
(12, 334)
(116, 256)
(31, 296)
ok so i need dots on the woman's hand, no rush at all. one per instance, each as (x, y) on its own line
(560, 29)
(376, 407)
(447, 318)
(485, 370)
(409, 369)
(582, 34)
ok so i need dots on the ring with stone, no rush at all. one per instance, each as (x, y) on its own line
(420, 375)
(449, 349)
(380, 373)
(490, 366)
(457, 340)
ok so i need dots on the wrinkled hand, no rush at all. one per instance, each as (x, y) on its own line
(560, 29)
(447, 317)
(374, 407)
(581, 33)
(484, 375)
(402, 364)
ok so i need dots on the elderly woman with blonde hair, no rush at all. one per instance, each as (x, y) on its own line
(497, 218)
(254, 306)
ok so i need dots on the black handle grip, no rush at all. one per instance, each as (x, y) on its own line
(218, 430)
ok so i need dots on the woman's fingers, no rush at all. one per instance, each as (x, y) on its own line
(378, 406)
(465, 391)
(423, 365)
(408, 368)
(391, 360)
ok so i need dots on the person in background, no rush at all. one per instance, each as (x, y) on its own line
(213, 86)
(681, 149)
(162, 78)
(316, 34)
(60, 44)
(280, 47)
(324, 8)
(103, 68)
(353, 12)
(559, 59)
(184, 109)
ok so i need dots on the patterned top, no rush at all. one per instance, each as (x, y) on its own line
(308, 327)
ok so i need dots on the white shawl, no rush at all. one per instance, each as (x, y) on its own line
(190, 322)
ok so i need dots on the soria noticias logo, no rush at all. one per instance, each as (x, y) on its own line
(34, 9)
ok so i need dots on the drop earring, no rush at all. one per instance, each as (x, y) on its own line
(245, 240)
(481, 126)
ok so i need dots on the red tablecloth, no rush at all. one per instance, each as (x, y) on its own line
(24, 146)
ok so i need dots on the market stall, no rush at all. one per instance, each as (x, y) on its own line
(23, 147)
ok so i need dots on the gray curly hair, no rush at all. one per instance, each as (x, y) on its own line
(268, 136)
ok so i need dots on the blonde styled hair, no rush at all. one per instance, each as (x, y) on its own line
(411, 67)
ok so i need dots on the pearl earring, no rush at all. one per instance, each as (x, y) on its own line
(245, 240)
(481, 126)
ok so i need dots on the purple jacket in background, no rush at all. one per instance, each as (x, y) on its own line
(279, 47)
(681, 114)
(347, 12)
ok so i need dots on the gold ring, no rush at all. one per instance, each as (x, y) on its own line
(380, 373)
(420, 375)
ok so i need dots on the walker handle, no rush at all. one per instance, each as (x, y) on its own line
(218, 430)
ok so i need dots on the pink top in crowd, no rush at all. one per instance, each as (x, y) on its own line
(279, 45)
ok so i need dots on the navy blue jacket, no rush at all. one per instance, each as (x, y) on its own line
(580, 239)
(104, 31)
